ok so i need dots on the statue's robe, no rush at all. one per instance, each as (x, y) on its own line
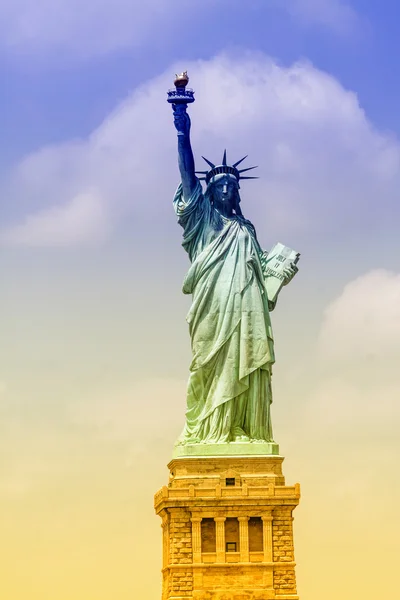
(229, 390)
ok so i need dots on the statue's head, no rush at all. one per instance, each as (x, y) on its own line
(223, 193)
(223, 184)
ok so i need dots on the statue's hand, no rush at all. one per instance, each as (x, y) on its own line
(181, 119)
(289, 273)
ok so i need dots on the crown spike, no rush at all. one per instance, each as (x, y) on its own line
(208, 162)
(224, 168)
(240, 161)
(248, 169)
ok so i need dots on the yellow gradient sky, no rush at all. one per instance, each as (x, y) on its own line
(94, 348)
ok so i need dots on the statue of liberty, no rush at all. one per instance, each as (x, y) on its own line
(229, 390)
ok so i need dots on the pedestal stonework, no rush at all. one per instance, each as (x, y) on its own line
(227, 529)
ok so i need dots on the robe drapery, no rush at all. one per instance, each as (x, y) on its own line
(229, 389)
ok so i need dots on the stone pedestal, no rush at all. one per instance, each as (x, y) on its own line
(227, 529)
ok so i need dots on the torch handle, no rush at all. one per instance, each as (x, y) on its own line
(181, 119)
(179, 108)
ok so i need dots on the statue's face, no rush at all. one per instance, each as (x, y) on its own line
(225, 191)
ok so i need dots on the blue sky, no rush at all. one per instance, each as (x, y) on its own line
(85, 122)
(65, 69)
(60, 87)
(93, 338)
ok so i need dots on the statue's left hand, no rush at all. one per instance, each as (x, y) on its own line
(289, 273)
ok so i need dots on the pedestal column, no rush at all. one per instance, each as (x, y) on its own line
(267, 537)
(196, 538)
(220, 538)
(244, 538)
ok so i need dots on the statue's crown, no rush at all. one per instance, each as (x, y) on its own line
(224, 168)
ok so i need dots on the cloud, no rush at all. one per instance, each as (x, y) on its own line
(352, 382)
(322, 163)
(336, 15)
(81, 220)
(364, 321)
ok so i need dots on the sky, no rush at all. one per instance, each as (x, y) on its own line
(94, 347)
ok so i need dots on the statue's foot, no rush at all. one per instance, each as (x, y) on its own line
(239, 436)
(241, 439)
(187, 442)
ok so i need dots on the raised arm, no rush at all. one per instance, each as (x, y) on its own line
(185, 154)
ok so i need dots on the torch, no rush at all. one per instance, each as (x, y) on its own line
(181, 96)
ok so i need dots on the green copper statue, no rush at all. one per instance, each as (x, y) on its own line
(229, 390)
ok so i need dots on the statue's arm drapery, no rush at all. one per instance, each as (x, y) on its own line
(192, 212)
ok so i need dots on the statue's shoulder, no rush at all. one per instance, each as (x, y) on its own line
(195, 201)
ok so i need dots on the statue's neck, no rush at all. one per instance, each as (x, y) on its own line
(225, 211)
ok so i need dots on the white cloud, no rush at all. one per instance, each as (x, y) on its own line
(353, 380)
(82, 220)
(364, 321)
(322, 164)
